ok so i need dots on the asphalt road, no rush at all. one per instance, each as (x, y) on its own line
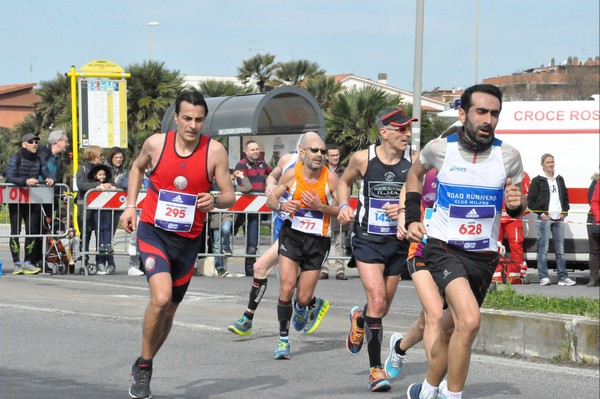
(76, 336)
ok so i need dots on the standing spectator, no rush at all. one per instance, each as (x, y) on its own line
(337, 236)
(52, 153)
(92, 156)
(593, 229)
(102, 219)
(377, 252)
(24, 169)
(257, 171)
(513, 229)
(120, 178)
(135, 267)
(184, 160)
(305, 240)
(221, 223)
(549, 199)
(475, 172)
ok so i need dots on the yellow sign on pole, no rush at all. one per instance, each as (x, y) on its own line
(107, 70)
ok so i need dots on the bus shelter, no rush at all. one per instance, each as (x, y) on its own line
(275, 119)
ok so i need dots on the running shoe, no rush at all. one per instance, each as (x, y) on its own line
(18, 269)
(140, 389)
(355, 337)
(241, 327)
(227, 252)
(222, 273)
(315, 315)
(111, 269)
(566, 282)
(102, 268)
(413, 391)
(378, 381)
(395, 361)
(299, 318)
(29, 268)
(545, 281)
(282, 351)
(134, 271)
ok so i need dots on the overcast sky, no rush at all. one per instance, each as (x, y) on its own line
(39, 38)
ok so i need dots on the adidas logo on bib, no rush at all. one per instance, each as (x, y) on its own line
(308, 214)
(472, 214)
(178, 199)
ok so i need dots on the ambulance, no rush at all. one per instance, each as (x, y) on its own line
(570, 131)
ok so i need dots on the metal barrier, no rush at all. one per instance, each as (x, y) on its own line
(99, 207)
(114, 201)
(248, 204)
(36, 208)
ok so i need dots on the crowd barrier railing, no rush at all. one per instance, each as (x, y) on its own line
(31, 213)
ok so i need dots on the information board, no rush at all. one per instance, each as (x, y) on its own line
(103, 112)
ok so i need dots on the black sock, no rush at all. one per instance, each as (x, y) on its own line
(144, 364)
(360, 321)
(313, 303)
(397, 348)
(249, 315)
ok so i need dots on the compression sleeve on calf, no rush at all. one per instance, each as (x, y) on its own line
(412, 203)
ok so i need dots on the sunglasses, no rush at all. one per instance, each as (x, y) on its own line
(401, 129)
(314, 150)
(33, 141)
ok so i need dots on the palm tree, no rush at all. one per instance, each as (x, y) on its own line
(351, 121)
(323, 89)
(151, 89)
(218, 88)
(296, 72)
(259, 68)
(54, 111)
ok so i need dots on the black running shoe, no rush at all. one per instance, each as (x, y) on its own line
(140, 389)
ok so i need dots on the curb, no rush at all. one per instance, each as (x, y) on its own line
(573, 338)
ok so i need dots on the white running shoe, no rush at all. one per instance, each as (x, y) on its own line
(545, 281)
(566, 281)
(134, 271)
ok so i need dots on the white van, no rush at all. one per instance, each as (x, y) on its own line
(570, 131)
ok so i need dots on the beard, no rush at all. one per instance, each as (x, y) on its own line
(469, 138)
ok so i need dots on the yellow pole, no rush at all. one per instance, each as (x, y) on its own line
(74, 138)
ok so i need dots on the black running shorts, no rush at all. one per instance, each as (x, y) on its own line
(447, 263)
(308, 249)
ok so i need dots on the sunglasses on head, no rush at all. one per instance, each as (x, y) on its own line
(33, 141)
(314, 150)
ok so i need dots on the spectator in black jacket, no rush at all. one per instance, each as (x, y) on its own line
(27, 169)
(52, 153)
(549, 199)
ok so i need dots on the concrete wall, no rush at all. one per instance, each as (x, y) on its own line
(539, 335)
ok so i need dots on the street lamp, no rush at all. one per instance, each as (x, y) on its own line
(150, 24)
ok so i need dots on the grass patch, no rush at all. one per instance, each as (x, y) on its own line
(508, 299)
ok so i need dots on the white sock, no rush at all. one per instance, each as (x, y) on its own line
(428, 391)
(454, 395)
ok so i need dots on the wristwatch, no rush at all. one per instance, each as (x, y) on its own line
(215, 198)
